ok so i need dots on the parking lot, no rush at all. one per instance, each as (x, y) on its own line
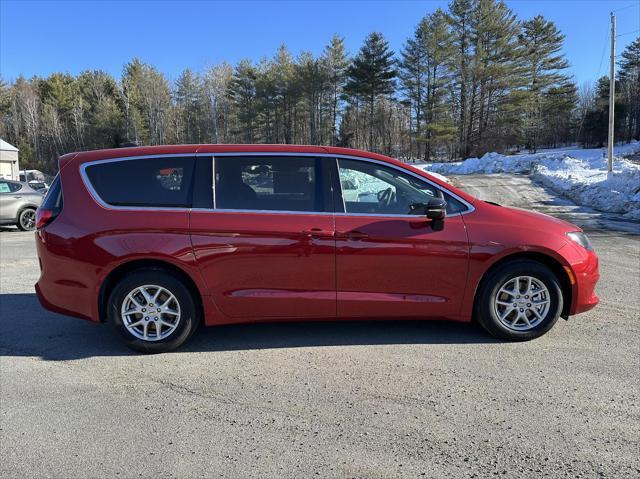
(350, 399)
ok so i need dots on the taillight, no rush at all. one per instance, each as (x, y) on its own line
(44, 217)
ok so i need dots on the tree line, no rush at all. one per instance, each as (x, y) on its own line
(472, 78)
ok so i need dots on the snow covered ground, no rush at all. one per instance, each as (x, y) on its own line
(579, 174)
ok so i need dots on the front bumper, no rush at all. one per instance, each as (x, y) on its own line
(586, 275)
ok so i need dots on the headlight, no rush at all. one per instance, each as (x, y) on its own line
(580, 238)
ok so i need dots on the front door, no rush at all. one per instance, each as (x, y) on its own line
(390, 263)
(267, 249)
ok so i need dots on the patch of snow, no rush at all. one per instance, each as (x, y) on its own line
(579, 174)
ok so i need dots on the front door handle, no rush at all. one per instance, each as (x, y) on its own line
(319, 232)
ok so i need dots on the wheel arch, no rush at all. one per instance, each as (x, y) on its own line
(111, 280)
(549, 261)
(26, 206)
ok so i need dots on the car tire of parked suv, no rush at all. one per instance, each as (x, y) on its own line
(27, 219)
(519, 300)
(153, 311)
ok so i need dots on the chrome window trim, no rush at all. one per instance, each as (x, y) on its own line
(261, 153)
(94, 194)
(470, 207)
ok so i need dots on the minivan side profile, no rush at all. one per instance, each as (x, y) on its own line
(157, 240)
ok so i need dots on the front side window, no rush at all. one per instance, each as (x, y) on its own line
(271, 183)
(153, 182)
(371, 188)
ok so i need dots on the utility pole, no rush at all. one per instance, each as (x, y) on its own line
(612, 91)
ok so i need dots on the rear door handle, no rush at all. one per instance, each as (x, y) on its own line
(319, 232)
(17, 197)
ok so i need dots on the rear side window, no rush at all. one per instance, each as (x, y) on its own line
(159, 182)
(269, 183)
(9, 187)
(53, 200)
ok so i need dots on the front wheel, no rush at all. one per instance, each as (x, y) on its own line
(519, 300)
(153, 311)
(27, 219)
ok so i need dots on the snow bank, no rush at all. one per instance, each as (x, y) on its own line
(578, 174)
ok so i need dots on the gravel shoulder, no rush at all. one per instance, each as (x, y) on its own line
(365, 399)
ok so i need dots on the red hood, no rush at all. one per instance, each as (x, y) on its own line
(531, 219)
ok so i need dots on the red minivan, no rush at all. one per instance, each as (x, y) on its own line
(157, 240)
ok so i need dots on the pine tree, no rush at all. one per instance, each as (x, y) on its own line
(595, 127)
(313, 78)
(425, 77)
(131, 80)
(216, 84)
(287, 95)
(242, 92)
(189, 100)
(495, 76)
(336, 61)
(412, 73)
(266, 100)
(558, 114)
(372, 74)
(630, 90)
(97, 115)
(546, 85)
(461, 24)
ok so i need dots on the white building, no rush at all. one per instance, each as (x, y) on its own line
(9, 168)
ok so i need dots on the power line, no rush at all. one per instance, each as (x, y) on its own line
(628, 33)
(624, 8)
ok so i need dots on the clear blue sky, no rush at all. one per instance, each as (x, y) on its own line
(37, 38)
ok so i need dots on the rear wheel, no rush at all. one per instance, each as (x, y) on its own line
(519, 300)
(27, 219)
(153, 311)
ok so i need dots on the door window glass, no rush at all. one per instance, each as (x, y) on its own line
(371, 188)
(268, 183)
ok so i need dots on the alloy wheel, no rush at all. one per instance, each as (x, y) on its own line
(150, 312)
(522, 303)
(28, 219)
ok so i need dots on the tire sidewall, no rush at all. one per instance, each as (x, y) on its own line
(487, 315)
(188, 310)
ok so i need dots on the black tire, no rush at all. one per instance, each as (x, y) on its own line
(27, 219)
(189, 311)
(485, 312)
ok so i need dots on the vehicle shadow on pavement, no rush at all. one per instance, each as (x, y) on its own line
(29, 330)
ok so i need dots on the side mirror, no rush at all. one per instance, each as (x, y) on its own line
(435, 209)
